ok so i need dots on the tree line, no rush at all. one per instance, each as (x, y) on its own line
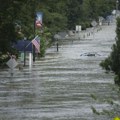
(17, 17)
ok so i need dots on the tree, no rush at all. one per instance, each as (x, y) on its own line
(113, 61)
(94, 8)
(7, 29)
(73, 12)
(54, 15)
(89, 9)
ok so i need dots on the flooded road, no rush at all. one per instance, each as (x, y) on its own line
(65, 85)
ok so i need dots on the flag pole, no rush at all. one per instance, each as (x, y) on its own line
(30, 42)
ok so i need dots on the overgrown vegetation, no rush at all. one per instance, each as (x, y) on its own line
(112, 63)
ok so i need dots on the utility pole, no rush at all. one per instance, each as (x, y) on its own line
(34, 15)
(57, 45)
(117, 2)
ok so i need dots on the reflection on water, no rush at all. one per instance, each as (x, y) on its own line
(63, 85)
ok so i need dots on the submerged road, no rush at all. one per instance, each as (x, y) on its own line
(65, 85)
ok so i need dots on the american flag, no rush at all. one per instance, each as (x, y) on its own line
(36, 43)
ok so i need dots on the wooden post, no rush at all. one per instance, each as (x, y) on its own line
(57, 45)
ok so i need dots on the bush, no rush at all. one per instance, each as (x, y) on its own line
(117, 80)
(106, 64)
(42, 47)
(3, 59)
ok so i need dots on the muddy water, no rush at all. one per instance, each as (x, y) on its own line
(65, 85)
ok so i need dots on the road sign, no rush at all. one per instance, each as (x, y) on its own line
(12, 63)
(56, 37)
(78, 28)
(93, 23)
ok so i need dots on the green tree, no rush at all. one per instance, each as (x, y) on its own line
(54, 15)
(73, 12)
(94, 8)
(89, 9)
(7, 26)
(113, 61)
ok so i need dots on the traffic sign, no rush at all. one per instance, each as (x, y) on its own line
(12, 63)
(93, 23)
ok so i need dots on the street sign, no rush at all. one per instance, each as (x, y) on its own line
(93, 23)
(12, 63)
(78, 28)
(56, 37)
